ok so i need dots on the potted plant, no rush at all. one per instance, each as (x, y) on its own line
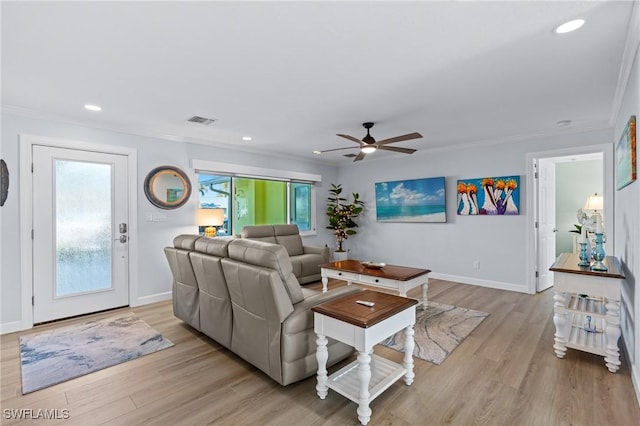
(341, 214)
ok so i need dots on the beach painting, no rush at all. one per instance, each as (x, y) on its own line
(489, 196)
(415, 200)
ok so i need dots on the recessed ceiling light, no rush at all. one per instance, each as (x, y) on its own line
(317, 152)
(567, 27)
(563, 123)
(246, 138)
(92, 107)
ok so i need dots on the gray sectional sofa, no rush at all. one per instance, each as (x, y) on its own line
(306, 260)
(243, 294)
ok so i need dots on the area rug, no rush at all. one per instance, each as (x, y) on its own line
(438, 331)
(64, 353)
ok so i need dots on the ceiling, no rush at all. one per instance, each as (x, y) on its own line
(293, 74)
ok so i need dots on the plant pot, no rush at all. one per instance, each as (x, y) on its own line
(340, 255)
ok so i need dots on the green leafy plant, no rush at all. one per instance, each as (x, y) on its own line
(578, 229)
(341, 214)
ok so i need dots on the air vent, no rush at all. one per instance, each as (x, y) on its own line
(201, 120)
(350, 155)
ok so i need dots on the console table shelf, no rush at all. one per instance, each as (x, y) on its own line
(586, 310)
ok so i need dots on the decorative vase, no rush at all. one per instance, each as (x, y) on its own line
(339, 256)
(584, 256)
(598, 255)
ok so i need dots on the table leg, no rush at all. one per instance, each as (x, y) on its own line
(325, 280)
(612, 334)
(364, 373)
(409, 345)
(322, 354)
(425, 287)
(560, 320)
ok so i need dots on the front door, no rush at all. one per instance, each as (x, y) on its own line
(80, 250)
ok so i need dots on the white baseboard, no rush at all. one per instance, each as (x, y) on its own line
(11, 327)
(145, 300)
(482, 283)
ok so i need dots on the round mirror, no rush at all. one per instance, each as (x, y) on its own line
(167, 187)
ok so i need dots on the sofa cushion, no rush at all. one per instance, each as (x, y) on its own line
(216, 246)
(272, 256)
(185, 241)
(289, 237)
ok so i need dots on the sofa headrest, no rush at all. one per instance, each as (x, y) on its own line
(272, 256)
(280, 230)
(257, 231)
(216, 246)
(186, 241)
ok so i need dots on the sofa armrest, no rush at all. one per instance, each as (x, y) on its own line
(324, 251)
(302, 317)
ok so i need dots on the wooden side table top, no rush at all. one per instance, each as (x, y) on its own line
(346, 309)
(394, 272)
(568, 262)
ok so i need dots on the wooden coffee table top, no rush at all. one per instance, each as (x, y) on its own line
(394, 272)
(346, 309)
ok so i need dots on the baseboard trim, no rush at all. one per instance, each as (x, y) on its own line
(11, 327)
(145, 300)
(482, 283)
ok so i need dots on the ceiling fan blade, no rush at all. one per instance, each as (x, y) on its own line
(338, 149)
(407, 137)
(359, 157)
(351, 138)
(397, 149)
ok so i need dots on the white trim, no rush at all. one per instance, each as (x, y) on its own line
(10, 327)
(145, 300)
(252, 172)
(608, 187)
(479, 282)
(26, 143)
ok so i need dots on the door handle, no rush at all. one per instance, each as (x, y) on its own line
(122, 239)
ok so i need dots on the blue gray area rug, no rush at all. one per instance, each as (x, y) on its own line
(438, 331)
(64, 353)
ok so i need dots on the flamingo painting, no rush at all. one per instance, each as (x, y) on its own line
(498, 196)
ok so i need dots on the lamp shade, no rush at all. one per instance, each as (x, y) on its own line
(209, 217)
(594, 202)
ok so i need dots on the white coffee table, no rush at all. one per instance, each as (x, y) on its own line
(363, 327)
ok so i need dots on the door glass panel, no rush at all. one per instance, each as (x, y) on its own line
(301, 205)
(83, 227)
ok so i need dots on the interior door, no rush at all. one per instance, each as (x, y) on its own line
(546, 222)
(80, 250)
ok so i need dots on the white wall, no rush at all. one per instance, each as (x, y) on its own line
(450, 249)
(154, 277)
(627, 230)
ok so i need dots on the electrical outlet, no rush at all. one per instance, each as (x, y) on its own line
(476, 264)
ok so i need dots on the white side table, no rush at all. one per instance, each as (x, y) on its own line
(586, 309)
(363, 327)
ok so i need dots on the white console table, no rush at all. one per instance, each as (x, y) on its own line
(586, 309)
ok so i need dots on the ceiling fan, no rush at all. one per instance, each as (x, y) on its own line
(368, 144)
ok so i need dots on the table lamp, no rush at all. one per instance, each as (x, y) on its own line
(594, 203)
(209, 218)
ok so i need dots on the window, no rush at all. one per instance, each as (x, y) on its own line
(256, 201)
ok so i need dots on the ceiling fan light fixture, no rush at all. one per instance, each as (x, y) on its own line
(368, 149)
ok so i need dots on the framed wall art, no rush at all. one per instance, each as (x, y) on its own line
(626, 155)
(415, 200)
(489, 196)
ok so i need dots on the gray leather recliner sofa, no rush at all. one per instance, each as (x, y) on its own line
(306, 260)
(243, 294)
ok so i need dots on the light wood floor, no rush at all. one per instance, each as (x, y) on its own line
(504, 373)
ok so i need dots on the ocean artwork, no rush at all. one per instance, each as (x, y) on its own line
(415, 200)
(489, 196)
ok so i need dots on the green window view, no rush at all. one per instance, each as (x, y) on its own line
(248, 201)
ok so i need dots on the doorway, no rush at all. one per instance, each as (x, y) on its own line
(77, 230)
(546, 224)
